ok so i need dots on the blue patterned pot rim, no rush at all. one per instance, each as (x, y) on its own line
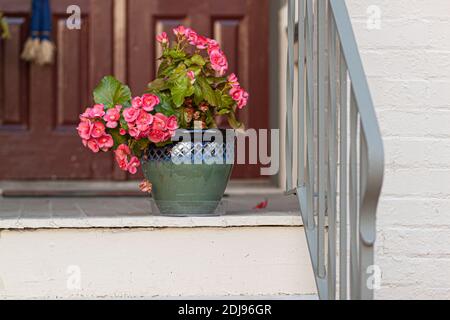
(194, 151)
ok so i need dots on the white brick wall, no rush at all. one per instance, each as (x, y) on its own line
(408, 65)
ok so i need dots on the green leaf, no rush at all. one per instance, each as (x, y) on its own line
(123, 123)
(197, 70)
(198, 94)
(223, 112)
(219, 98)
(208, 93)
(234, 123)
(111, 92)
(198, 60)
(174, 54)
(179, 91)
(157, 85)
(166, 105)
(217, 80)
(226, 101)
(209, 119)
(165, 68)
(178, 72)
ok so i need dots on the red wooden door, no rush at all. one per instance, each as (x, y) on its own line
(242, 28)
(39, 106)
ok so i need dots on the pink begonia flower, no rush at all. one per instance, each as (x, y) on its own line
(112, 116)
(134, 131)
(122, 163)
(136, 102)
(191, 36)
(130, 114)
(122, 151)
(105, 142)
(97, 111)
(121, 155)
(93, 145)
(144, 120)
(219, 62)
(162, 38)
(242, 103)
(168, 135)
(179, 31)
(159, 122)
(122, 131)
(191, 76)
(236, 93)
(98, 129)
(85, 129)
(133, 164)
(212, 45)
(149, 101)
(156, 136)
(233, 80)
(202, 42)
(172, 123)
(240, 96)
(86, 114)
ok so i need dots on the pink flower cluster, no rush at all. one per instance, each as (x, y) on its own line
(236, 92)
(163, 128)
(141, 124)
(92, 130)
(217, 58)
(162, 38)
(126, 161)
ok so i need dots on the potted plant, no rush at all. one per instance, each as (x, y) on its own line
(171, 130)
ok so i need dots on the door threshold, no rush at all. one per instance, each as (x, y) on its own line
(115, 188)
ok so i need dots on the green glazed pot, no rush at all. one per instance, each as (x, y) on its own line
(193, 187)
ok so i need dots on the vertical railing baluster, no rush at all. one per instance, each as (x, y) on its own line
(353, 197)
(310, 168)
(290, 94)
(301, 95)
(321, 64)
(332, 159)
(343, 249)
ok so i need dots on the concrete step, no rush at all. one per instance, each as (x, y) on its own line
(155, 262)
(119, 248)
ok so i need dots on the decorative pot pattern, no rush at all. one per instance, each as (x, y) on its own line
(190, 177)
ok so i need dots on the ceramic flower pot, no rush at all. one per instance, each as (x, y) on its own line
(189, 177)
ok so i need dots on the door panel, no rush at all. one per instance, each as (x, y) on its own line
(241, 26)
(13, 80)
(40, 105)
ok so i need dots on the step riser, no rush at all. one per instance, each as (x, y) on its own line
(170, 262)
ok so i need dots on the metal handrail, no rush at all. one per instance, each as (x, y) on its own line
(335, 136)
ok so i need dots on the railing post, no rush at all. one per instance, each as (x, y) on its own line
(343, 134)
(301, 95)
(332, 159)
(321, 66)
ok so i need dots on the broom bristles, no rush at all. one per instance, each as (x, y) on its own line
(30, 49)
(45, 53)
